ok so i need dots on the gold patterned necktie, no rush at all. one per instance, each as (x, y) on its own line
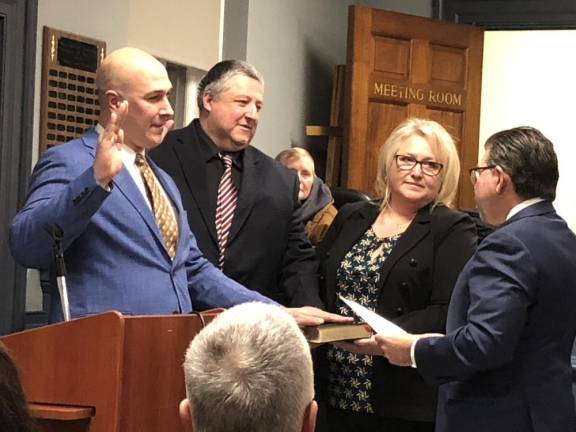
(161, 207)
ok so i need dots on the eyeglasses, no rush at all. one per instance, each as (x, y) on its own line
(476, 171)
(407, 163)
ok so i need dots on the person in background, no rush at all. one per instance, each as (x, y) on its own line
(318, 209)
(242, 205)
(398, 256)
(249, 370)
(504, 363)
(14, 415)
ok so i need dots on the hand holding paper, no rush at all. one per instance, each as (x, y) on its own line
(390, 340)
(379, 324)
(397, 348)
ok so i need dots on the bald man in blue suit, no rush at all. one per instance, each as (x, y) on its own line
(91, 187)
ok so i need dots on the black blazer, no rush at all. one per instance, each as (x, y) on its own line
(268, 250)
(415, 286)
(511, 327)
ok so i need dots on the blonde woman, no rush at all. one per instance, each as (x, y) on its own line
(399, 256)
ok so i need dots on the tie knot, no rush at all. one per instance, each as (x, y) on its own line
(140, 160)
(227, 160)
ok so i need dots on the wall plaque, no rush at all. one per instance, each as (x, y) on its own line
(69, 100)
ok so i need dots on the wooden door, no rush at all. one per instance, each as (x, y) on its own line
(401, 66)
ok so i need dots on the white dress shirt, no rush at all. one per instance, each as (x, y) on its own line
(129, 161)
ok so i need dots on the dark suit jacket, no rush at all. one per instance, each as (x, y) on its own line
(414, 291)
(511, 325)
(114, 252)
(268, 250)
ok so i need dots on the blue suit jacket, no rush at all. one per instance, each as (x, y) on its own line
(114, 252)
(510, 329)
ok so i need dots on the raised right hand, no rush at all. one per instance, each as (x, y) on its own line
(108, 160)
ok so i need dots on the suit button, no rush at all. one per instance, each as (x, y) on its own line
(404, 284)
(322, 277)
(413, 262)
(400, 310)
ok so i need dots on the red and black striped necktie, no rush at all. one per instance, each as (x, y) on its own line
(225, 206)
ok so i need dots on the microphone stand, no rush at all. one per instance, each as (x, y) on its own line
(57, 235)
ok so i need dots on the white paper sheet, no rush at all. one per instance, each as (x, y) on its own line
(379, 324)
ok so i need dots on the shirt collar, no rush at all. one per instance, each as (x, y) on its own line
(519, 207)
(210, 150)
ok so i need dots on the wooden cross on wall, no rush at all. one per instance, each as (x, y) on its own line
(334, 131)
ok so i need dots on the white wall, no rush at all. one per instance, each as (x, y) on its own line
(295, 45)
(182, 31)
(528, 79)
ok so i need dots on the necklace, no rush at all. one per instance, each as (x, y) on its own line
(387, 225)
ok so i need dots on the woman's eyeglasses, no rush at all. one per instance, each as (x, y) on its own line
(407, 163)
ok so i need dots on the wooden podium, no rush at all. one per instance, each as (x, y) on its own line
(107, 372)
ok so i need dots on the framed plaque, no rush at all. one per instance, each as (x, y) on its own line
(69, 100)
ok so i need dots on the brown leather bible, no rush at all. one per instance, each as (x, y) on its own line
(336, 332)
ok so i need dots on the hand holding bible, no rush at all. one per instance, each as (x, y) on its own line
(311, 316)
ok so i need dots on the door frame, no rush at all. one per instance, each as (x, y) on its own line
(16, 131)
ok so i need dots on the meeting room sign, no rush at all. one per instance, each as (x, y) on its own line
(418, 94)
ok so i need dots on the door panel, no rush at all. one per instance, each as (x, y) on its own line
(401, 66)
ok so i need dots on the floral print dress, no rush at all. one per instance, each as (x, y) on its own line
(350, 375)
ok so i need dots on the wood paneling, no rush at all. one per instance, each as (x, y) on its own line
(126, 371)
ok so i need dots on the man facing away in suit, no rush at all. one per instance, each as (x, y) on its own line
(249, 370)
(505, 359)
(126, 238)
(265, 247)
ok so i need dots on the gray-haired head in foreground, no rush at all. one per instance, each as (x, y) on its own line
(214, 82)
(529, 159)
(249, 370)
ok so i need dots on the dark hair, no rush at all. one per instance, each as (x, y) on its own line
(215, 79)
(529, 159)
(14, 415)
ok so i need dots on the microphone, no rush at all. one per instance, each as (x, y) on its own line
(57, 235)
